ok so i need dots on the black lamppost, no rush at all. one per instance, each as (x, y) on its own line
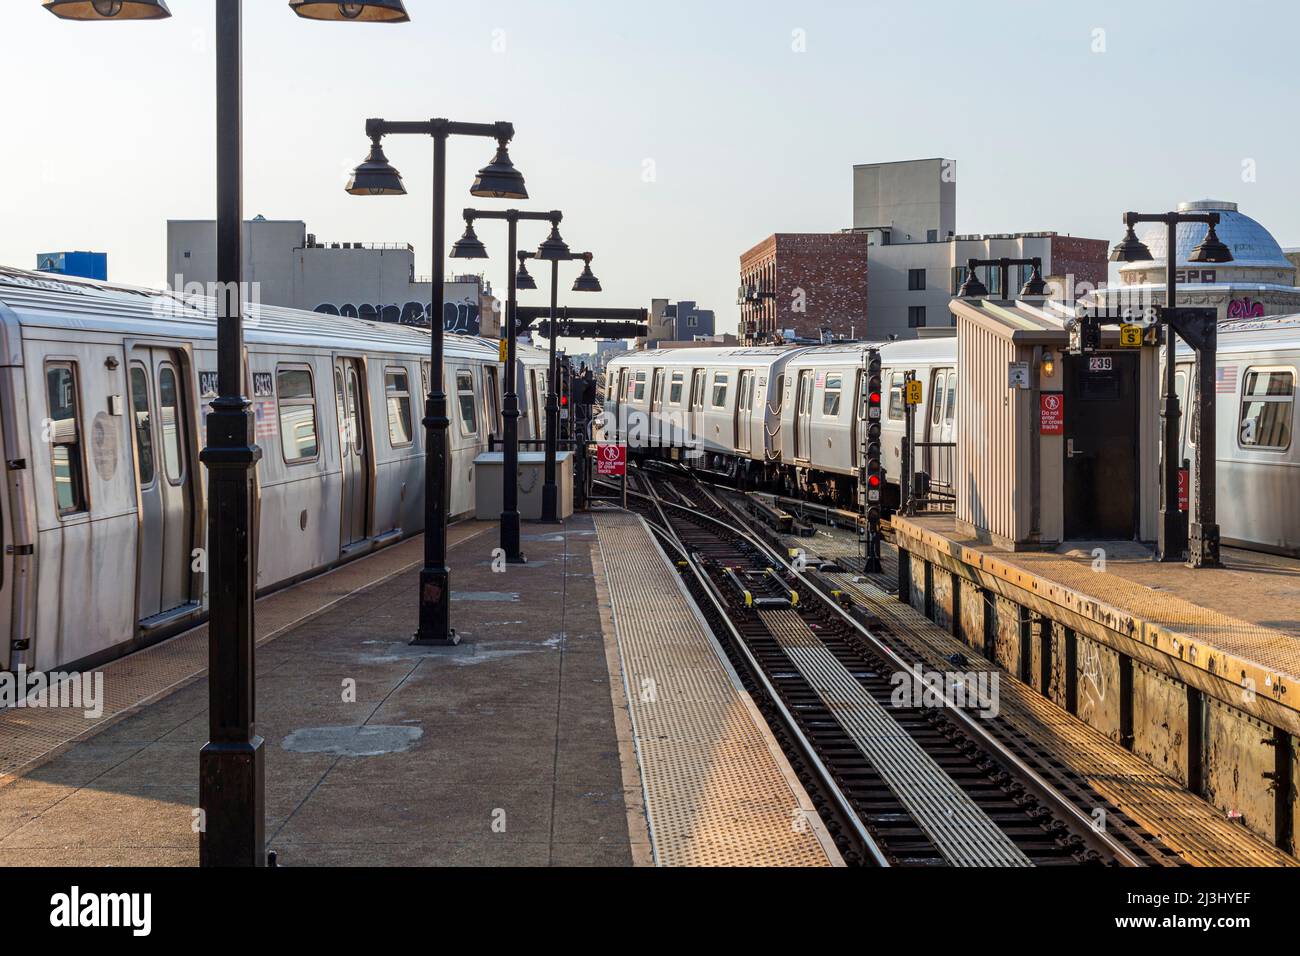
(498, 180)
(553, 249)
(586, 282)
(1172, 540)
(231, 767)
(973, 288)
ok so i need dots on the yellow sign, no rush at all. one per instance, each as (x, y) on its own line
(915, 393)
(1130, 336)
(505, 350)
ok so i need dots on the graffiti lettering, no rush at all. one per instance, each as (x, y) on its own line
(461, 318)
(1245, 309)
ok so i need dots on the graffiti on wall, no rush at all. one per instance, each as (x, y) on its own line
(458, 318)
(1245, 309)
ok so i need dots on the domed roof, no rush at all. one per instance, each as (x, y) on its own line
(1253, 246)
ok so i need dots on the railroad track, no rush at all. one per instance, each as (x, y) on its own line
(922, 784)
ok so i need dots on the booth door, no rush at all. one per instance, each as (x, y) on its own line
(1101, 447)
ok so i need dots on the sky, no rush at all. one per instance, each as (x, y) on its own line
(673, 135)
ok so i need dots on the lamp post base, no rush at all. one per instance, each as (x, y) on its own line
(435, 628)
(510, 535)
(1203, 549)
(231, 778)
(1172, 542)
(551, 504)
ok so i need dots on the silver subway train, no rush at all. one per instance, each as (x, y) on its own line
(791, 418)
(103, 394)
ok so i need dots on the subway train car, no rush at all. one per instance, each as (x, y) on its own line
(103, 394)
(1258, 463)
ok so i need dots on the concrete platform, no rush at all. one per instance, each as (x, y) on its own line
(501, 751)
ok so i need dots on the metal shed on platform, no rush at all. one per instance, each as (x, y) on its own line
(1052, 444)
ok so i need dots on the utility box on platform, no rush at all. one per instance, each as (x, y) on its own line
(1054, 443)
(490, 467)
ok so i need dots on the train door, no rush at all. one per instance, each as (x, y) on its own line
(1101, 447)
(698, 377)
(492, 386)
(744, 413)
(803, 415)
(354, 451)
(165, 473)
(939, 385)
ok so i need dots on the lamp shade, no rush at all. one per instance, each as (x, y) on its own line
(376, 176)
(1130, 249)
(499, 179)
(1034, 286)
(364, 11)
(108, 9)
(587, 282)
(1211, 249)
(554, 249)
(972, 288)
(468, 246)
(524, 280)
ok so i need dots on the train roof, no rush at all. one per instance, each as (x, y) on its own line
(733, 355)
(924, 351)
(42, 300)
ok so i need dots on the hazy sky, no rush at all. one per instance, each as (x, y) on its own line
(110, 126)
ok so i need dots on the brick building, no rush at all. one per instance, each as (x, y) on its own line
(804, 285)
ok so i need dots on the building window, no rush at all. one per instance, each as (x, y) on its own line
(397, 391)
(65, 438)
(831, 400)
(932, 235)
(675, 389)
(720, 389)
(915, 280)
(1267, 407)
(297, 414)
(465, 398)
(916, 316)
(692, 321)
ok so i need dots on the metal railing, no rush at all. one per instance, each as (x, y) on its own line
(930, 486)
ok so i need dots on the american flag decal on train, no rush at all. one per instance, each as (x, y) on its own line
(266, 424)
(1225, 380)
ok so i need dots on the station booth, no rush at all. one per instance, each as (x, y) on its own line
(1054, 444)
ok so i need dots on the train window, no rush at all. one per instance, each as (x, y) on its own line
(169, 415)
(465, 397)
(675, 389)
(143, 424)
(895, 397)
(831, 399)
(297, 414)
(720, 380)
(950, 412)
(64, 430)
(936, 410)
(1267, 407)
(638, 387)
(397, 390)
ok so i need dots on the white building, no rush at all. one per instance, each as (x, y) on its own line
(287, 266)
(917, 261)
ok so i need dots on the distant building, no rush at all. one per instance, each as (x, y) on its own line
(83, 265)
(1260, 280)
(680, 321)
(608, 350)
(804, 286)
(907, 211)
(291, 268)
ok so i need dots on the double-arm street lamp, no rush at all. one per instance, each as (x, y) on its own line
(586, 282)
(231, 767)
(973, 288)
(554, 249)
(498, 180)
(1172, 540)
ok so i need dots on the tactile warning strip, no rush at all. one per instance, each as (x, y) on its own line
(1181, 821)
(718, 791)
(955, 824)
(28, 735)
